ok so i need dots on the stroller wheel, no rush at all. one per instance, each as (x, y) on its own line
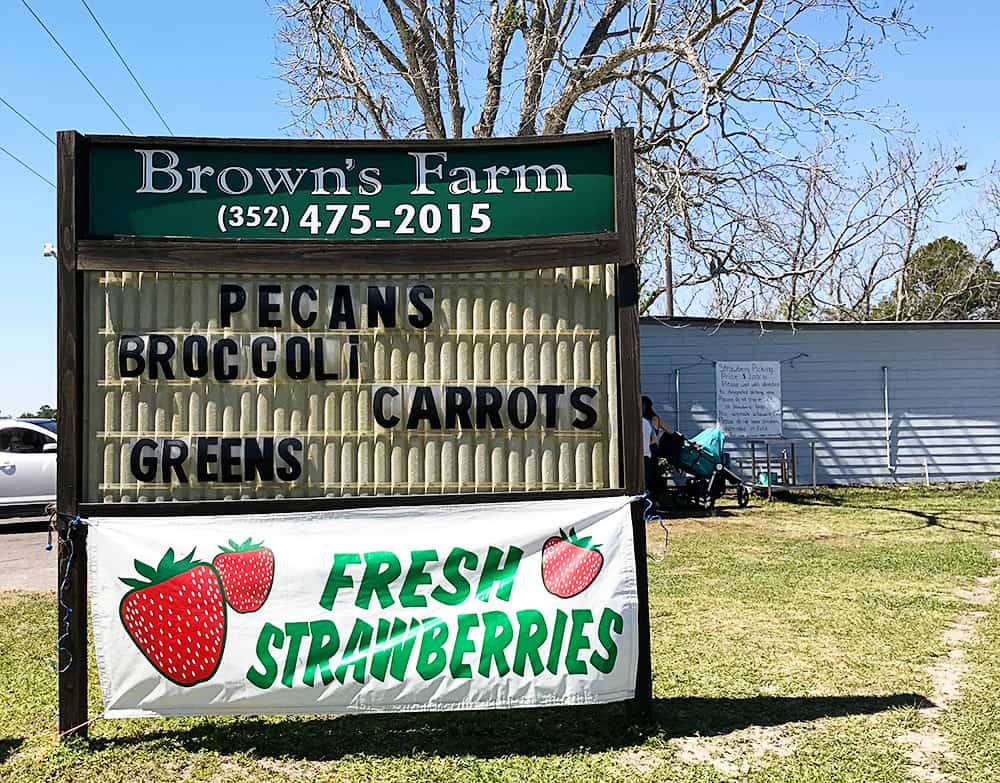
(742, 496)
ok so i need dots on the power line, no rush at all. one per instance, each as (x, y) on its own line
(134, 77)
(41, 133)
(42, 177)
(78, 68)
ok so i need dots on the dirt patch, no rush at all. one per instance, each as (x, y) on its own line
(927, 747)
(639, 760)
(734, 754)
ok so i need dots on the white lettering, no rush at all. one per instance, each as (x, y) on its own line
(224, 185)
(542, 172)
(149, 169)
(466, 182)
(284, 178)
(423, 170)
(492, 174)
(197, 172)
(319, 182)
(371, 180)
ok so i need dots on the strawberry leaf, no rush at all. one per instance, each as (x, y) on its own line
(145, 570)
(167, 568)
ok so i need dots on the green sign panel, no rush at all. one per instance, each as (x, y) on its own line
(451, 191)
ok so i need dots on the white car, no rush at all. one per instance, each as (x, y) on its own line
(27, 462)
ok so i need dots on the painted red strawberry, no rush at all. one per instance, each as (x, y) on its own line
(569, 564)
(177, 618)
(247, 572)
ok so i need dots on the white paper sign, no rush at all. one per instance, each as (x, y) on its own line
(393, 609)
(748, 398)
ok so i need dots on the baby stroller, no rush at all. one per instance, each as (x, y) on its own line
(704, 460)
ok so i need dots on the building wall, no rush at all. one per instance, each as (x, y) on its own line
(943, 381)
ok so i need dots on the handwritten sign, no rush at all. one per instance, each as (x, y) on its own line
(748, 398)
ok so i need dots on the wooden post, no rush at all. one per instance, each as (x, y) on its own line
(628, 335)
(72, 576)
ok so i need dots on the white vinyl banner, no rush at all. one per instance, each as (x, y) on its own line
(496, 605)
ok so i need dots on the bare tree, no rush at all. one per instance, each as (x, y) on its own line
(729, 98)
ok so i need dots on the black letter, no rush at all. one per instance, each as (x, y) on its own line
(378, 406)
(382, 306)
(232, 299)
(321, 373)
(457, 404)
(488, 402)
(297, 358)
(287, 448)
(423, 408)
(342, 311)
(305, 321)
(228, 460)
(130, 346)
(419, 295)
(207, 458)
(577, 401)
(195, 350)
(530, 407)
(222, 370)
(551, 395)
(258, 366)
(143, 468)
(161, 350)
(175, 451)
(258, 460)
(265, 306)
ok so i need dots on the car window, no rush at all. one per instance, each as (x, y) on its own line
(23, 441)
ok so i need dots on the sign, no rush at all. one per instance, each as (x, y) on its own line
(210, 386)
(322, 362)
(748, 398)
(518, 605)
(361, 191)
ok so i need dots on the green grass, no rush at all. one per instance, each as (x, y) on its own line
(790, 643)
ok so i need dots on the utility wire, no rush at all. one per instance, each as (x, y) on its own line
(41, 133)
(42, 177)
(78, 68)
(130, 73)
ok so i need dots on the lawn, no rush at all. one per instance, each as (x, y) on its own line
(792, 641)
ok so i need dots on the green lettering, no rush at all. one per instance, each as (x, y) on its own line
(295, 632)
(269, 635)
(392, 642)
(531, 636)
(578, 641)
(355, 651)
(416, 576)
(610, 621)
(463, 646)
(452, 572)
(431, 659)
(500, 575)
(381, 569)
(323, 643)
(557, 639)
(497, 634)
(337, 578)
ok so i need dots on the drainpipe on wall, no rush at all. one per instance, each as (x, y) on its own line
(677, 400)
(888, 440)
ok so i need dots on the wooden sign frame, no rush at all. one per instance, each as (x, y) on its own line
(78, 253)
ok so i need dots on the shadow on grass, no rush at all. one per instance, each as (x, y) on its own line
(942, 519)
(7, 747)
(544, 732)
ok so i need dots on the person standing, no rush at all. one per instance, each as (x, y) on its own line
(651, 427)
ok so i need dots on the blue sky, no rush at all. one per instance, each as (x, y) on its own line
(210, 68)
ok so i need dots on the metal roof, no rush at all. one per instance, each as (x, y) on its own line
(681, 322)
